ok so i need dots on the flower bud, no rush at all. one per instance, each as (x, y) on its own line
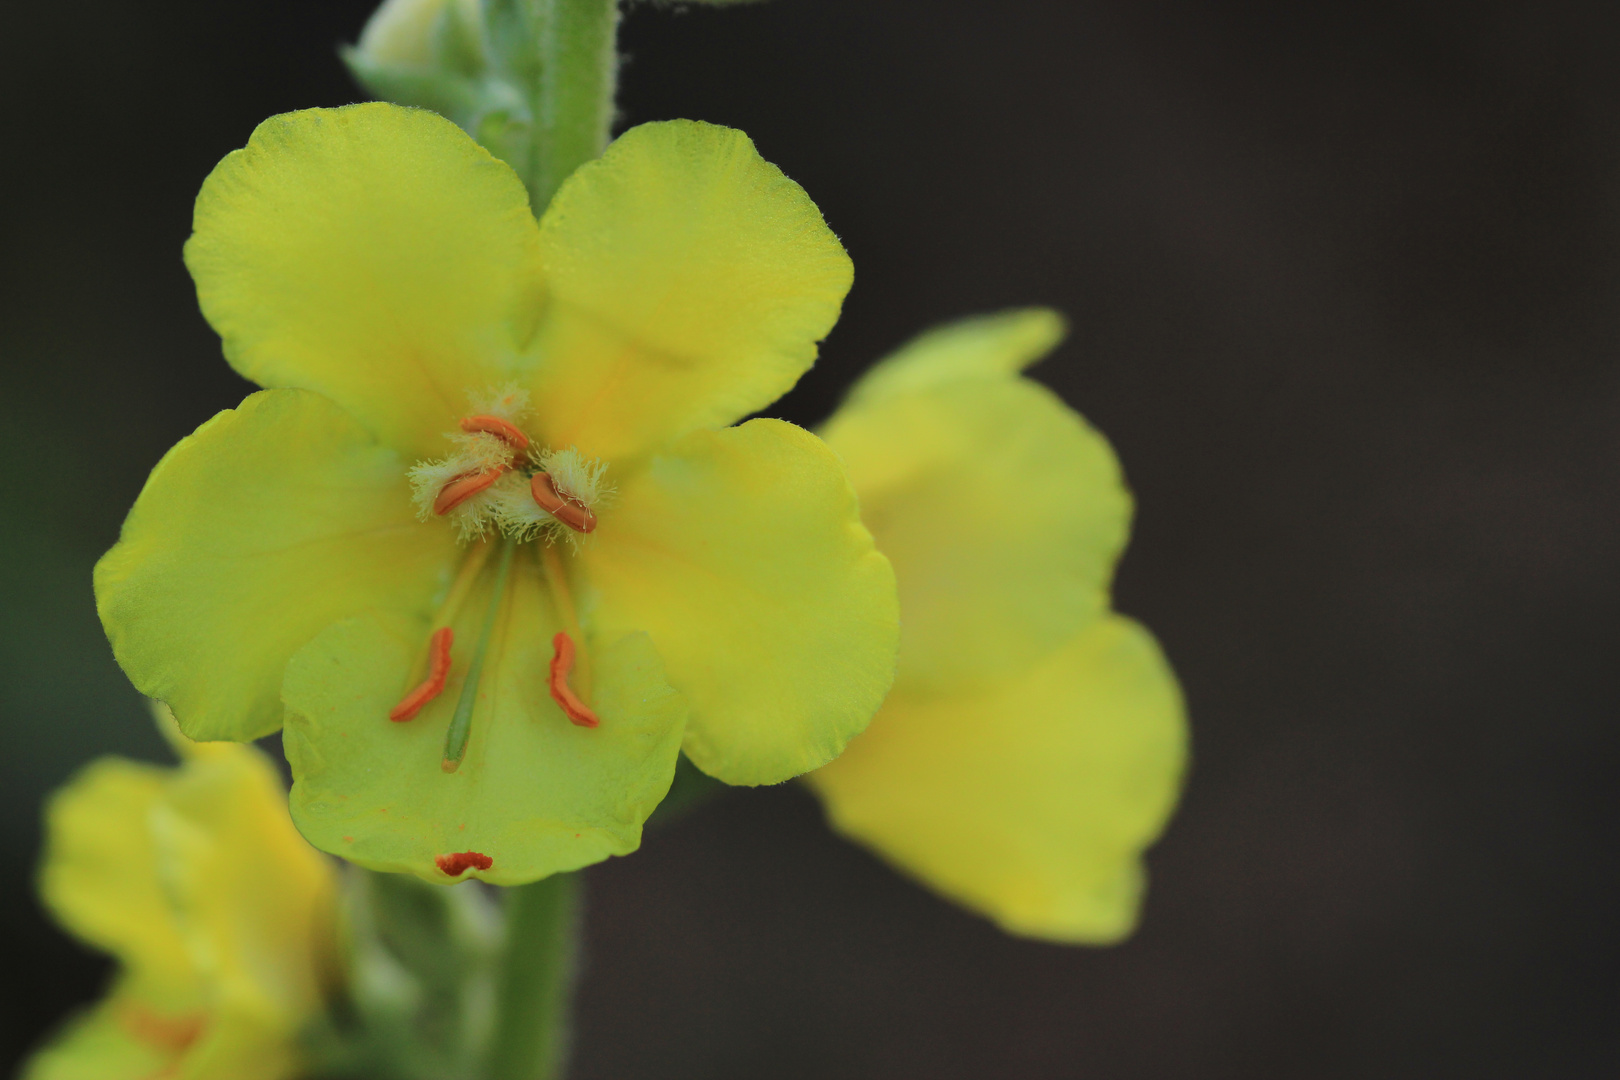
(425, 34)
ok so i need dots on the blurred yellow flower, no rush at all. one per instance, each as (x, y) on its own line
(1034, 742)
(220, 915)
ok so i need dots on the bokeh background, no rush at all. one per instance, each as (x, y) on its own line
(1345, 285)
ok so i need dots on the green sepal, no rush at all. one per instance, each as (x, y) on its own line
(476, 67)
(468, 100)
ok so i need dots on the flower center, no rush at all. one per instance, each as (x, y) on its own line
(500, 481)
(497, 480)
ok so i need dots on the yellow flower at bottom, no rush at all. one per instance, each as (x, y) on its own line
(220, 915)
(1034, 742)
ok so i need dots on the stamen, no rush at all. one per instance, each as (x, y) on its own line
(455, 739)
(562, 662)
(494, 425)
(571, 512)
(433, 685)
(464, 487)
(459, 863)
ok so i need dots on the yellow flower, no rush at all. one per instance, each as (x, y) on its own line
(220, 915)
(488, 543)
(1034, 741)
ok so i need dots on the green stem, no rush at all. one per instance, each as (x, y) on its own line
(573, 107)
(455, 740)
(537, 978)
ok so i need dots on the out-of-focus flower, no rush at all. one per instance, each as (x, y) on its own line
(587, 573)
(422, 34)
(220, 915)
(439, 55)
(1034, 742)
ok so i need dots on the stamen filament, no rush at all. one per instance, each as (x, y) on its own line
(562, 662)
(562, 601)
(466, 577)
(433, 685)
(455, 740)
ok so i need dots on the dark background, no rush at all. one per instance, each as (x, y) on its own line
(1344, 286)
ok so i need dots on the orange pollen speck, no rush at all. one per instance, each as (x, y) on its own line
(433, 685)
(570, 511)
(462, 861)
(464, 487)
(562, 662)
(494, 425)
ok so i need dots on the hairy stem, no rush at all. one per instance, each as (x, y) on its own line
(579, 69)
(537, 980)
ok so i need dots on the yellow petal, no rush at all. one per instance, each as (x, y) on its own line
(375, 254)
(742, 553)
(1003, 512)
(1030, 801)
(101, 1044)
(240, 1047)
(535, 793)
(690, 283)
(985, 345)
(257, 900)
(126, 1038)
(100, 880)
(271, 521)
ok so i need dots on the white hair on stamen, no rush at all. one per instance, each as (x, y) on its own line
(577, 478)
(508, 505)
(509, 402)
(515, 511)
(476, 518)
(474, 453)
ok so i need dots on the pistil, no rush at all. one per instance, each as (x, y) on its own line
(455, 740)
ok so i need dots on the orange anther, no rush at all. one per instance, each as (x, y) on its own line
(562, 662)
(494, 425)
(172, 1034)
(459, 863)
(566, 509)
(464, 487)
(433, 685)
